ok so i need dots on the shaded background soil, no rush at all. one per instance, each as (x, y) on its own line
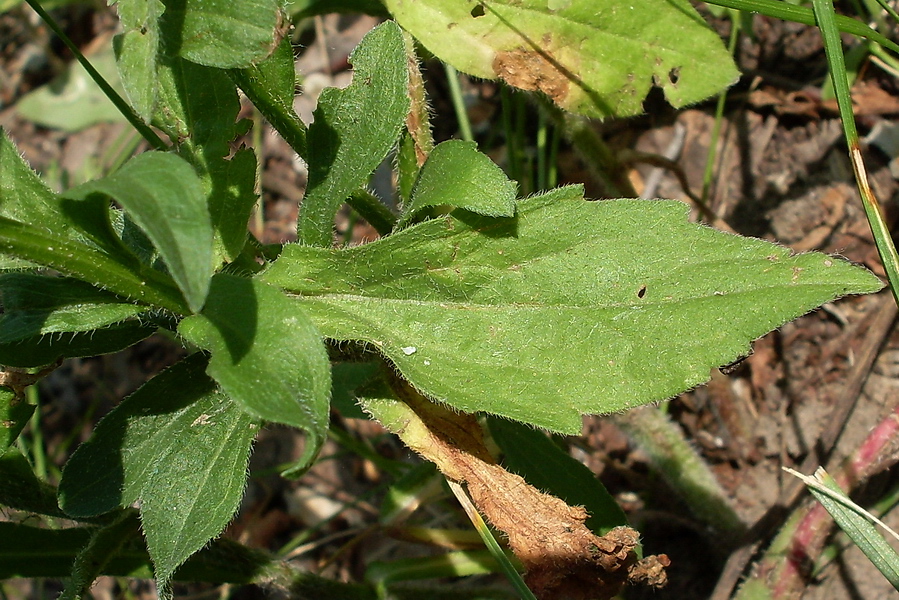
(781, 173)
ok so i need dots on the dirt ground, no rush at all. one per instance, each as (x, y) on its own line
(781, 173)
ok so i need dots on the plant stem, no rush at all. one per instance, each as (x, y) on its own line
(148, 134)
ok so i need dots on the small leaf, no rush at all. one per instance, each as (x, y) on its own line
(457, 175)
(354, 129)
(266, 355)
(179, 446)
(223, 33)
(39, 304)
(136, 52)
(598, 58)
(571, 307)
(164, 197)
(531, 454)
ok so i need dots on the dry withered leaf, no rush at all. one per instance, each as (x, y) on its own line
(563, 558)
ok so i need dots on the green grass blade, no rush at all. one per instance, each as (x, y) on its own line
(492, 545)
(856, 522)
(827, 22)
(779, 9)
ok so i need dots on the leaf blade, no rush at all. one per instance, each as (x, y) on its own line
(496, 314)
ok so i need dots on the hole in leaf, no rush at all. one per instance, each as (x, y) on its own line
(674, 75)
(478, 11)
(642, 291)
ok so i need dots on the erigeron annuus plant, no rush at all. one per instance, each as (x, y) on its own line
(537, 310)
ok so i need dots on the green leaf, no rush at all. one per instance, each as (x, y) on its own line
(14, 415)
(354, 129)
(117, 273)
(457, 175)
(855, 522)
(40, 304)
(42, 350)
(531, 454)
(594, 57)
(23, 196)
(136, 52)
(226, 34)
(266, 354)
(180, 447)
(21, 489)
(572, 307)
(202, 124)
(271, 86)
(164, 197)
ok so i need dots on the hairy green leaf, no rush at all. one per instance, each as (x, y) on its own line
(39, 350)
(23, 196)
(594, 57)
(179, 446)
(38, 305)
(457, 175)
(354, 129)
(226, 34)
(164, 197)
(202, 125)
(571, 307)
(266, 354)
(136, 52)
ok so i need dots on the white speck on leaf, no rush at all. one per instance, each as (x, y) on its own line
(201, 420)
(409, 350)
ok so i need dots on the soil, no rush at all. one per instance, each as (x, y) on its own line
(781, 173)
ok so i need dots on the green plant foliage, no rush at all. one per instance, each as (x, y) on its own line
(456, 174)
(496, 315)
(23, 196)
(228, 34)
(38, 305)
(136, 52)
(261, 340)
(21, 489)
(40, 350)
(345, 142)
(180, 447)
(202, 125)
(594, 58)
(164, 197)
(271, 85)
